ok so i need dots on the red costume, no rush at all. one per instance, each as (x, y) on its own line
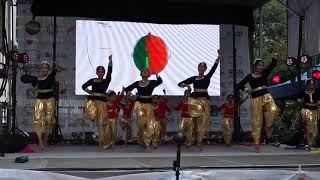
(127, 109)
(114, 108)
(183, 107)
(228, 110)
(160, 110)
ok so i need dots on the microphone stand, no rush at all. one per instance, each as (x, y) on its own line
(176, 163)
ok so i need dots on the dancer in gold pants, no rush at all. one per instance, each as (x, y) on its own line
(262, 104)
(309, 112)
(95, 106)
(147, 125)
(45, 104)
(228, 110)
(127, 107)
(199, 101)
(160, 109)
(113, 107)
(186, 123)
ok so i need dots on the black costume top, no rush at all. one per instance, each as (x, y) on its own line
(311, 100)
(144, 92)
(256, 83)
(99, 86)
(200, 85)
(44, 85)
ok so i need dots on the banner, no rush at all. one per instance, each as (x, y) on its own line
(39, 47)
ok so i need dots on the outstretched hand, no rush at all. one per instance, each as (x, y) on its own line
(218, 58)
(110, 60)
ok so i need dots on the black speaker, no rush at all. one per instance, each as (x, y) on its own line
(12, 143)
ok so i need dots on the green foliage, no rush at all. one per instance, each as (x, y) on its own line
(274, 33)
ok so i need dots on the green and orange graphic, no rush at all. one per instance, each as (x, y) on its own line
(150, 52)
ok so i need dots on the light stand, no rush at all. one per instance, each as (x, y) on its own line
(176, 163)
(14, 127)
(56, 134)
(237, 125)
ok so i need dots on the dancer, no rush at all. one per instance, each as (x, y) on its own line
(113, 108)
(199, 101)
(262, 104)
(157, 111)
(228, 110)
(144, 108)
(95, 106)
(127, 107)
(186, 124)
(309, 112)
(45, 103)
(160, 110)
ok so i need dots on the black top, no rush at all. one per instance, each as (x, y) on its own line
(99, 86)
(259, 81)
(200, 83)
(42, 84)
(144, 91)
(310, 99)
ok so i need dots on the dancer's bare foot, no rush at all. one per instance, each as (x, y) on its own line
(309, 148)
(257, 148)
(41, 146)
(148, 149)
(200, 147)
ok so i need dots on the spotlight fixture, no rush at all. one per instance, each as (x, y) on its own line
(304, 59)
(290, 61)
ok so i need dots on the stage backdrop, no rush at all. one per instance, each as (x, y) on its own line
(39, 47)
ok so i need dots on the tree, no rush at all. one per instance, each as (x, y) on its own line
(274, 34)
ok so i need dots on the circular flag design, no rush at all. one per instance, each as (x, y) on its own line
(150, 52)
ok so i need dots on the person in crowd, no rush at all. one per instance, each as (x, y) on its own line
(144, 106)
(262, 103)
(199, 100)
(228, 109)
(95, 105)
(45, 104)
(309, 112)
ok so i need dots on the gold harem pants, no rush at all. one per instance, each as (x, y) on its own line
(148, 127)
(96, 110)
(227, 129)
(126, 126)
(199, 108)
(44, 107)
(262, 107)
(310, 118)
(186, 126)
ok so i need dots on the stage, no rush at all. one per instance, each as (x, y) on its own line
(90, 162)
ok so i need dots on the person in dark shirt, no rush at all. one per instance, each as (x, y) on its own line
(309, 111)
(95, 105)
(186, 123)
(45, 104)
(144, 107)
(199, 101)
(262, 103)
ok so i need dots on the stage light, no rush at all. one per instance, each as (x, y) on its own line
(316, 74)
(12, 55)
(305, 59)
(276, 79)
(15, 56)
(290, 61)
(24, 58)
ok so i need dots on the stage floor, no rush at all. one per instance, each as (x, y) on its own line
(77, 159)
